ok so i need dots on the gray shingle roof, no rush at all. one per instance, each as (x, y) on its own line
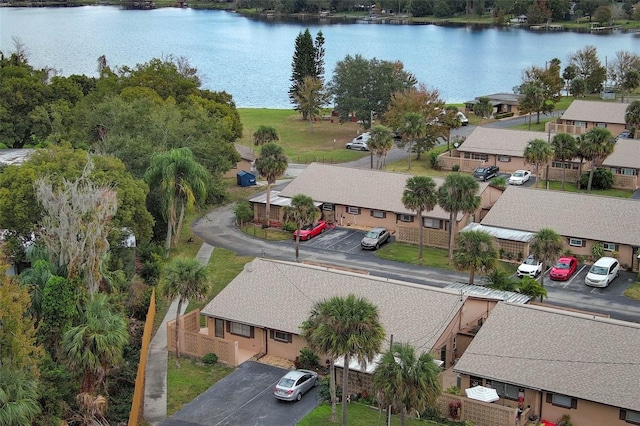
(625, 154)
(373, 189)
(596, 112)
(607, 219)
(487, 140)
(246, 153)
(591, 358)
(280, 295)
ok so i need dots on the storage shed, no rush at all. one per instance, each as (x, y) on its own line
(246, 178)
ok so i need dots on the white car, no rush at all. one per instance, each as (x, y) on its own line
(519, 177)
(463, 118)
(605, 270)
(530, 267)
(360, 142)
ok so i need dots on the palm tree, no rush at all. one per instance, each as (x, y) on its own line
(185, 279)
(459, 193)
(476, 252)
(96, 343)
(532, 288)
(450, 120)
(597, 145)
(380, 143)
(271, 164)
(406, 381)
(349, 327)
(35, 279)
(565, 148)
(538, 152)
(632, 117)
(412, 129)
(499, 279)
(301, 211)
(18, 397)
(546, 247)
(420, 195)
(182, 183)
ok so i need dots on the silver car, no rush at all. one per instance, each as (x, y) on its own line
(294, 384)
(375, 238)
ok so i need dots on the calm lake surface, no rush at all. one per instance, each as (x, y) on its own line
(252, 59)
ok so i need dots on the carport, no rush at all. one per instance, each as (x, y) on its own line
(511, 243)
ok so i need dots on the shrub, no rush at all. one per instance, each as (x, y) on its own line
(243, 211)
(453, 390)
(324, 392)
(289, 226)
(210, 358)
(602, 179)
(434, 161)
(307, 359)
(504, 115)
(597, 250)
(456, 167)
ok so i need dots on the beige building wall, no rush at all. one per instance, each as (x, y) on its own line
(285, 350)
(240, 165)
(585, 413)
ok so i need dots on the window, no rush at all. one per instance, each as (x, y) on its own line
(630, 416)
(406, 218)
(432, 223)
(281, 336)
(562, 400)
(629, 172)
(353, 210)
(483, 157)
(240, 329)
(378, 214)
(327, 207)
(219, 328)
(580, 123)
(609, 247)
(475, 381)
(505, 390)
(504, 159)
(576, 242)
(603, 125)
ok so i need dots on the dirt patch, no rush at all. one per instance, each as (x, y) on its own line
(277, 362)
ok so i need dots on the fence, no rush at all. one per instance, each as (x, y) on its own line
(138, 393)
(478, 412)
(196, 344)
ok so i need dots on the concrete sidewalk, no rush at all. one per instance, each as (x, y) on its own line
(155, 389)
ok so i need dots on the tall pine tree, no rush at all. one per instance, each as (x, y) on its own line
(308, 61)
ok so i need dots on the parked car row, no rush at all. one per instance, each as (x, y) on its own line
(601, 273)
(360, 142)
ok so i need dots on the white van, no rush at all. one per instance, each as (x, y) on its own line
(605, 270)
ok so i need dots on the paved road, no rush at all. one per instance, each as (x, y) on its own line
(339, 247)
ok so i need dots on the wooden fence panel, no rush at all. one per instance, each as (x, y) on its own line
(137, 404)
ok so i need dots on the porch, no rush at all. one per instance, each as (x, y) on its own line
(195, 341)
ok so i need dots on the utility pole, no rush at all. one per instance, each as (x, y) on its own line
(389, 407)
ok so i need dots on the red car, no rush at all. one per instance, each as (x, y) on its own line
(311, 231)
(564, 269)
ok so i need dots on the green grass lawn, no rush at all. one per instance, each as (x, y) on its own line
(190, 380)
(633, 292)
(408, 253)
(269, 234)
(357, 415)
(324, 144)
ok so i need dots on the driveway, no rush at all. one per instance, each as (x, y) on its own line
(343, 240)
(244, 398)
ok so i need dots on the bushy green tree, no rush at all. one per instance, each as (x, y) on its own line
(265, 134)
(475, 252)
(589, 68)
(361, 86)
(308, 61)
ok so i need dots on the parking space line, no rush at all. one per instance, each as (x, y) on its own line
(269, 388)
(575, 275)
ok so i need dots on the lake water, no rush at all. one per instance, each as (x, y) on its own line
(251, 59)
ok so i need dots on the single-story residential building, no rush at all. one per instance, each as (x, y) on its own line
(582, 220)
(502, 102)
(582, 116)
(624, 163)
(503, 148)
(247, 158)
(260, 312)
(365, 198)
(557, 363)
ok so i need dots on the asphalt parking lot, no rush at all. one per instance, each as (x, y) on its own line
(576, 283)
(343, 240)
(245, 397)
